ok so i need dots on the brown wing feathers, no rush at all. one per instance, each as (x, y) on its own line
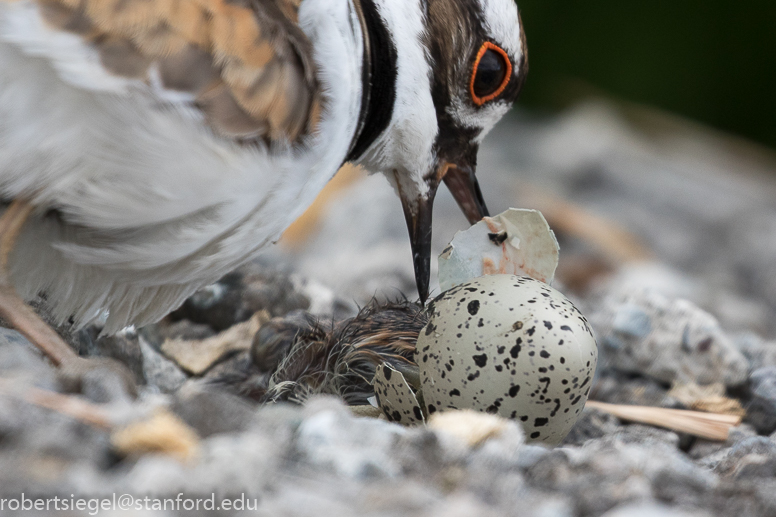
(246, 62)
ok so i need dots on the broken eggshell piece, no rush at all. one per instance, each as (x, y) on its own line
(516, 242)
(395, 397)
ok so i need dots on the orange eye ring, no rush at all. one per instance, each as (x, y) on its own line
(479, 101)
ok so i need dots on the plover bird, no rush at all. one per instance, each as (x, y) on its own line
(148, 147)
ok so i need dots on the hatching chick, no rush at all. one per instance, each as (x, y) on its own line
(300, 356)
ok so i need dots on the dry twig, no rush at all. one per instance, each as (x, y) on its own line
(704, 425)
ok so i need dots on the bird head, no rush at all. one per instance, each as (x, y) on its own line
(437, 76)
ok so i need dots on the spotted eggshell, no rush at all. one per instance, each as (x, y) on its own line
(395, 397)
(508, 345)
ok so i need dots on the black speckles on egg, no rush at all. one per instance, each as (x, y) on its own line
(503, 354)
(541, 422)
(395, 398)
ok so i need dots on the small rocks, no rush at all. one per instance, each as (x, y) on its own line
(592, 424)
(759, 352)
(761, 409)
(668, 340)
(239, 295)
(751, 457)
(160, 373)
(211, 411)
(197, 356)
(332, 439)
(619, 388)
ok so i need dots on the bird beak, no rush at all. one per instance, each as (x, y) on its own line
(418, 213)
(462, 182)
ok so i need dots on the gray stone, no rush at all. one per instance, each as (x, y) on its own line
(620, 388)
(159, 372)
(331, 438)
(651, 509)
(211, 411)
(103, 385)
(530, 455)
(761, 408)
(19, 358)
(751, 457)
(124, 347)
(759, 352)
(239, 295)
(680, 343)
(704, 448)
(591, 424)
(609, 472)
(645, 434)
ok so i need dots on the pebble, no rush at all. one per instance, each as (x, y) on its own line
(761, 409)
(331, 438)
(669, 340)
(211, 411)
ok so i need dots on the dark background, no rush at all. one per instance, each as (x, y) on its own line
(713, 61)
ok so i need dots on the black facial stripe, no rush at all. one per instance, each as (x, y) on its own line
(378, 78)
(455, 34)
(451, 67)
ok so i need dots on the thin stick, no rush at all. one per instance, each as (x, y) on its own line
(711, 426)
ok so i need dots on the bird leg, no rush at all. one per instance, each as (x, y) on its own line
(12, 307)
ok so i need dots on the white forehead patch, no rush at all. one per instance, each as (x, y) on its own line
(503, 23)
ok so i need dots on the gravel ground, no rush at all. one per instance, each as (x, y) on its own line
(696, 309)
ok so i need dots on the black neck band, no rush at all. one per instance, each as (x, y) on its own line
(378, 79)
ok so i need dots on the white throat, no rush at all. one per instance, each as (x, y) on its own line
(406, 144)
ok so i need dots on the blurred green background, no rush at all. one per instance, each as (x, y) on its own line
(713, 61)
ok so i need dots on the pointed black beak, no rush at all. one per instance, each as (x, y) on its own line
(462, 182)
(419, 225)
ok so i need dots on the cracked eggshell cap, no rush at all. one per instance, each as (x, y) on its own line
(517, 242)
(512, 346)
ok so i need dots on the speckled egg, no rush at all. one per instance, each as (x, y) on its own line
(508, 345)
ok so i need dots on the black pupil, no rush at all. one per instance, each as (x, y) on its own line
(490, 73)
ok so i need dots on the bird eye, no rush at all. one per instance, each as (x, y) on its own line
(491, 73)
